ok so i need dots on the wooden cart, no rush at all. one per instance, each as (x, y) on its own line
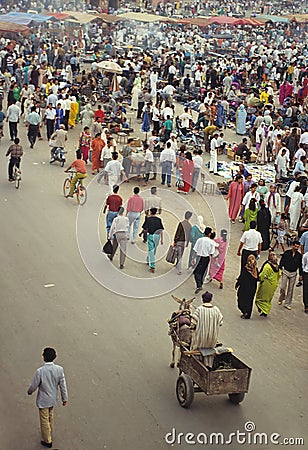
(196, 377)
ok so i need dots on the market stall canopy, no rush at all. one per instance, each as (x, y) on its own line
(59, 16)
(108, 18)
(299, 18)
(110, 66)
(7, 27)
(248, 21)
(81, 17)
(25, 18)
(273, 19)
(149, 18)
(222, 20)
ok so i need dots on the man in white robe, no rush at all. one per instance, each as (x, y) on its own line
(207, 319)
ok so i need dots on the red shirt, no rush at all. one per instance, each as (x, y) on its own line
(135, 203)
(114, 201)
(99, 113)
(79, 165)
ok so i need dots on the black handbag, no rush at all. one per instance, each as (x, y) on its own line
(171, 254)
(108, 247)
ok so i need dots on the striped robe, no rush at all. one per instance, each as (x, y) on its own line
(208, 319)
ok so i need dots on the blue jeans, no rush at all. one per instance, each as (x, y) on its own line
(153, 241)
(166, 168)
(109, 219)
(134, 219)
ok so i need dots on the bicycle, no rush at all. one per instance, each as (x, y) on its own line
(16, 176)
(80, 190)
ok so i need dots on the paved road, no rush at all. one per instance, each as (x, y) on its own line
(115, 350)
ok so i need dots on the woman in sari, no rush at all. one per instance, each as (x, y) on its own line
(246, 286)
(85, 143)
(235, 196)
(217, 266)
(197, 232)
(97, 145)
(187, 172)
(269, 278)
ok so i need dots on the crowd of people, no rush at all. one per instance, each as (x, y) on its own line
(251, 84)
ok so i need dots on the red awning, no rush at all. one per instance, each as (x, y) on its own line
(59, 16)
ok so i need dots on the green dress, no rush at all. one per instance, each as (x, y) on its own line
(269, 279)
(249, 216)
(195, 234)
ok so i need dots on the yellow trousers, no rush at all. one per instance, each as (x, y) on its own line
(46, 422)
(78, 176)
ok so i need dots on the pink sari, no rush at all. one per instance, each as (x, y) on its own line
(217, 266)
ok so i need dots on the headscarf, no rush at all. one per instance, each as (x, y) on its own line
(273, 261)
(251, 266)
(200, 223)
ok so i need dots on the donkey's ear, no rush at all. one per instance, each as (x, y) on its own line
(176, 299)
(190, 301)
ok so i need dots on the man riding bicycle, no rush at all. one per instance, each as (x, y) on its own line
(15, 151)
(81, 173)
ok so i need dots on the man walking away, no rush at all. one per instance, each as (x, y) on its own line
(113, 203)
(33, 120)
(181, 239)
(153, 201)
(203, 249)
(118, 230)
(290, 262)
(251, 243)
(135, 206)
(167, 159)
(154, 228)
(47, 379)
(13, 114)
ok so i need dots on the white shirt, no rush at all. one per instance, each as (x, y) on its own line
(169, 89)
(204, 246)
(119, 223)
(251, 240)
(185, 118)
(214, 145)
(305, 262)
(167, 111)
(167, 155)
(300, 152)
(149, 156)
(13, 113)
(114, 168)
(198, 161)
(304, 138)
(50, 114)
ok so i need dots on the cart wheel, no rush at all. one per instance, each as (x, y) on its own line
(236, 398)
(184, 390)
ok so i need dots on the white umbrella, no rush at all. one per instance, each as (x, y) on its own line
(110, 66)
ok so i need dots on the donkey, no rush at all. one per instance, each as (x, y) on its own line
(179, 327)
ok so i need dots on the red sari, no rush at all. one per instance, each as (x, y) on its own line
(97, 145)
(217, 266)
(187, 172)
(235, 196)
